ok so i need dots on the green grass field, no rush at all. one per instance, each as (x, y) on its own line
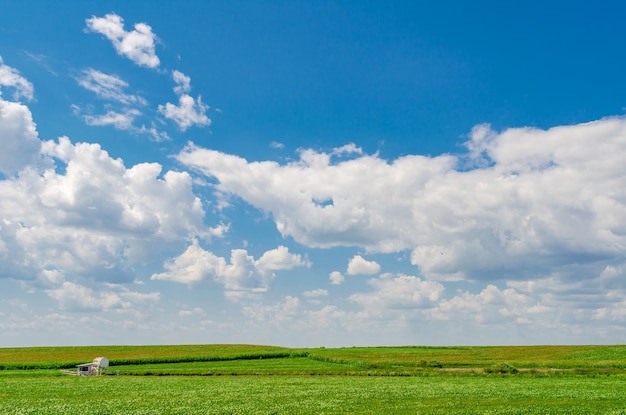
(245, 379)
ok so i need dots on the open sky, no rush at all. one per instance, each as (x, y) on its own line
(322, 173)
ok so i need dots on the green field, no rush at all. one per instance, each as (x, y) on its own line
(243, 379)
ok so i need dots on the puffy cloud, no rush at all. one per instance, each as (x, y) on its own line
(490, 306)
(400, 292)
(360, 202)
(336, 278)
(360, 266)
(312, 324)
(243, 276)
(137, 45)
(522, 204)
(280, 258)
(192, 266)
(11, 77)
(18, 137)
(277, 313)
(350, 148)
(96, 220)
(187, 113)
(183, 82)
(75, 297)
(106, 86)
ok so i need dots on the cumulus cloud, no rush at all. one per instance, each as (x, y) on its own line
(490, 306)
(283, 311)
(18, 137)
(137, 45)
(106, 86)
(75, 297)
(94, 221)
(350, 148)
(399, 292)
(360, 266)
(183, 82)
(367, 202)
(536, 202)
(187, 113)
(243, 276)
(336, 278)
(11, 77)
(280, 259)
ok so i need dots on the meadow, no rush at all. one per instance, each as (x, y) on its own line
(247, 379)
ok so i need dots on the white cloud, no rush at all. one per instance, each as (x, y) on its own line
(491, 306)
(119, 120)
(347, 149)
(280, 258)
(243, 276)
(336, 278)
(183, 82)
(109, 87)
(95, 221)
(537, 202)
(75, 297)
(137, 45)
(401, 292)
(283, 311)
(123, 120)
(360, 266)
(187, 113)
(18, 137)
(192, 266)
(154, 133)
(11, 77)
(370, 201)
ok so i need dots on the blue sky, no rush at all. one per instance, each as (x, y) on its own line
(312, 173)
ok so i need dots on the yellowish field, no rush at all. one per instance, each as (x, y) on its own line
(34, 355)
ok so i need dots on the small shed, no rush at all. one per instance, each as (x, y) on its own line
(94, 368)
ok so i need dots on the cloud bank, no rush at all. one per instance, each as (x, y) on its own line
(536, 203)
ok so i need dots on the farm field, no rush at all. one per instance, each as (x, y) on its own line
(243, 379)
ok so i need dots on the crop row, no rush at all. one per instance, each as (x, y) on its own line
(153, 360)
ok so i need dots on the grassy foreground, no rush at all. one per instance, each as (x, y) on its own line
(312, 395)
(243, 379)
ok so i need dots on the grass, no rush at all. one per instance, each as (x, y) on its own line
(238, 379)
